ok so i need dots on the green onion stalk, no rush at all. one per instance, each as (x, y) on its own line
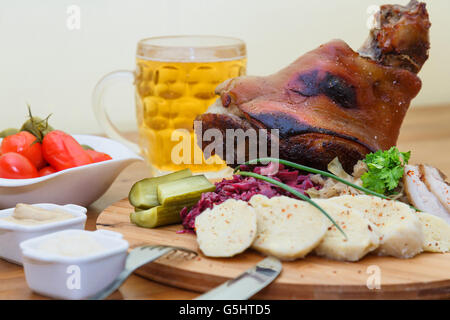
(293, 191)
(312, 170)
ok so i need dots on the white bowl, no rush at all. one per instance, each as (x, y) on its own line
(12, 234)
(64, 277)
(81, 185)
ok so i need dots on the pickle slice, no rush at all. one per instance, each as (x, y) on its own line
(158, 216)
(143, 194)
(184, 190)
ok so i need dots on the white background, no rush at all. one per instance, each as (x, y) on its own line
(55, 69)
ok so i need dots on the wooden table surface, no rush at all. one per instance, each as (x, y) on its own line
(425, 131)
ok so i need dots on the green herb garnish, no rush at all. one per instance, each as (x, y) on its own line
(385, 169)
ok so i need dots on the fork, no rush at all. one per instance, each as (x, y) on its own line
(136, 259)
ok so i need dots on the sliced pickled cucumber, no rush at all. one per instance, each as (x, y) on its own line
(184, 190)
(144, 195)
(158, 216)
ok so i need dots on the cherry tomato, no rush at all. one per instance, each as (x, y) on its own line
(16, 166)
(97, 156)
(25, 144)
(46, 171)
(62, 151)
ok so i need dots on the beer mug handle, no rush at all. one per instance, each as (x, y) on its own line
(100, 107)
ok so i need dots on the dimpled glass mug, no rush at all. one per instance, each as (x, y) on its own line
(175, 79)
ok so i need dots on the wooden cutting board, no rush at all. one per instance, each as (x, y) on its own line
(427, 276)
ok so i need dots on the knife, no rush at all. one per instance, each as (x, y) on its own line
(247, 284)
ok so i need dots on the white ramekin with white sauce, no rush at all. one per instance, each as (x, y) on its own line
(73, 264)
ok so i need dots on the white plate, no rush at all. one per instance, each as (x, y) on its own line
(81, 185)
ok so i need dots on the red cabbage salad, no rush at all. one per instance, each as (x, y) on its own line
(243, 188)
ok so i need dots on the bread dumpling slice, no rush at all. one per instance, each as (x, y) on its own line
(400, 228)
(401, 238)
(227, 229)
(362, 235)
(436, 232)
(287, 228)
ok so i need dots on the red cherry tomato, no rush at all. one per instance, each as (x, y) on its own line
(16, 166)
(46, 171)
(62, 151)
(25, 144)
(97, 156)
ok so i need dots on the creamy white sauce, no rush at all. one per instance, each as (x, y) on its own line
(74, 245)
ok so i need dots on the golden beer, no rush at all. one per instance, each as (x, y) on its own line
(169, 96)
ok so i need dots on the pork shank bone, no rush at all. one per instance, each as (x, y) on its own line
(333, 101)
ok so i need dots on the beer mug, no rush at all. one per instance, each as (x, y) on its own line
(174, 80)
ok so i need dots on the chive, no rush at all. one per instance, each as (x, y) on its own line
(293, 191)
(312, 170)
(323, 173)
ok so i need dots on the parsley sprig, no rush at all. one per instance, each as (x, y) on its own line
(385, 169)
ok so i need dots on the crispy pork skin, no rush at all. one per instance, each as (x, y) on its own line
(435, 181)
(419, 195)
(333, 101)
